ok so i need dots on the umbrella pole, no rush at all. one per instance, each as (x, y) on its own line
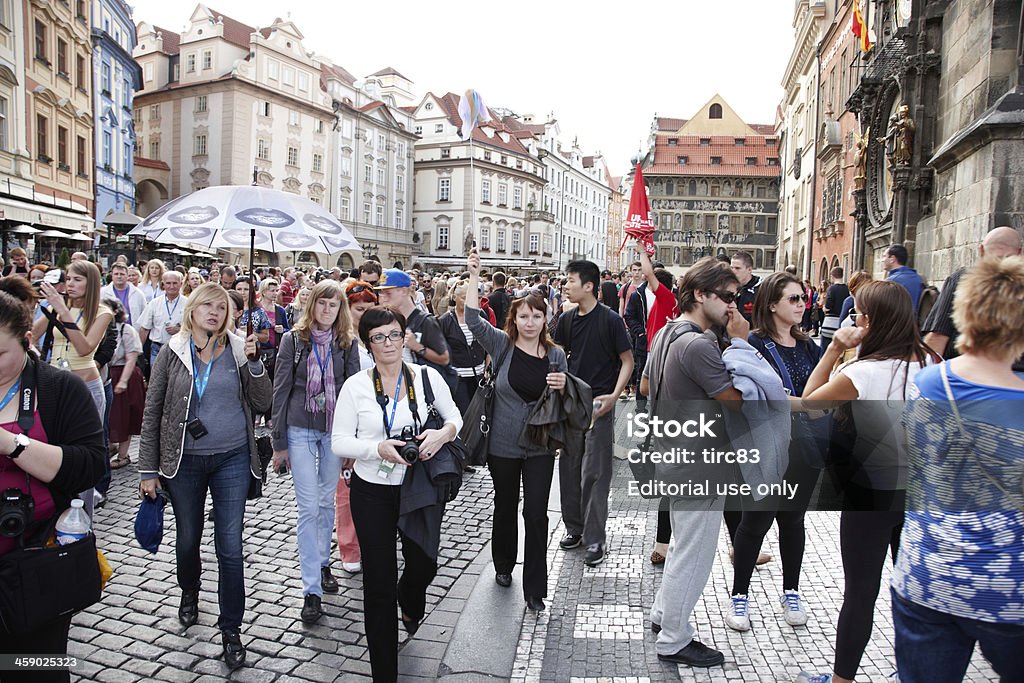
(252, 286)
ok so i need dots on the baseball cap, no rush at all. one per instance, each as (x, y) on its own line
(393, 277)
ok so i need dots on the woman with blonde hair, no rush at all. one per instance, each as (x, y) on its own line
(192, 281)
(151, 279)
(439, 301)
(206, 443)
(316, 358)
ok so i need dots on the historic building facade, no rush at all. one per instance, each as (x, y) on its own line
(713, 186)
(116, 76)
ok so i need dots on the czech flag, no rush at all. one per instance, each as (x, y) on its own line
(860, 29)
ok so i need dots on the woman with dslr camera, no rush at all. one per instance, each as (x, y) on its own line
(375, 425)
(60, 454)
(316, 358)
(198, 436)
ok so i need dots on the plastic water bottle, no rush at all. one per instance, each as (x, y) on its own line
(73, 524)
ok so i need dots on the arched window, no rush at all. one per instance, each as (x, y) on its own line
(715, 112)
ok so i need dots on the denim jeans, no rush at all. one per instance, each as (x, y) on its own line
(315, 472)
(935, 647)
(226, 476)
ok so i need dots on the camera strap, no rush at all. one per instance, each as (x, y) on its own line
(383, 399)
(27, 406)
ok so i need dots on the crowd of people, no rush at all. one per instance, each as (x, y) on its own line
(362, 380)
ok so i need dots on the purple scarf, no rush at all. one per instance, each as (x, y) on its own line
(318, 381)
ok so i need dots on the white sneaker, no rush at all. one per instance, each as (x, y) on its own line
(793, 608)
(352, 567)
(737, 618)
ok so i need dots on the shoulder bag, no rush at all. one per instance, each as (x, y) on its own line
(476, 423)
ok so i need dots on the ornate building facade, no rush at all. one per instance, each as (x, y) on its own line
(713, 186)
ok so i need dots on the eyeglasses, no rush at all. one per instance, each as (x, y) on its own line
(395, 337)
(725, 295)
(793, 298)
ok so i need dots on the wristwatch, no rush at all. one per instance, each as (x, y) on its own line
(21, 442)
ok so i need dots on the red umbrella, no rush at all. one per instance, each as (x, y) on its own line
(638, 222)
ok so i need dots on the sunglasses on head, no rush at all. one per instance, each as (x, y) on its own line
(793, 298)
(361, 288)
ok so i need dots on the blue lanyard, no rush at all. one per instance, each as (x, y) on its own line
(11, 393)
(201, 383)
(170, 311)
(394, 405)
(322, 364)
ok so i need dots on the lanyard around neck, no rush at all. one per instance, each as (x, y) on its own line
(322, 364)
(382, 400)
(201, 383)
(170, 311)
(9, 396)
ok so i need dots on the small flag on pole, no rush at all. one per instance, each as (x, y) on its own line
(638, 224)
(472, 111)
(860, 28)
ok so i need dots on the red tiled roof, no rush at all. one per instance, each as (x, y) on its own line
(450, 104)
(763, 128)
(512, 124)
(171, 40)
(235, 32)
(388, 71)
(410, 110)
(698, 156)
(151, 163)
(665, 123)
(336, 71)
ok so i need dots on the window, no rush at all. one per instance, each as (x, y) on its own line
(500, 240)
(318, 127)
(62, 148)
(154, 112)
(41, 42)
(519, 163)
(773, 161)
(485, 239)
(487, 155)
(534, 242)
(272, 69)
(62, 57)
(263, 149)
(400, 151)
(502, 194)
(148, 71)
(80, 73)
(318, 163)
(444, 189)
(751, 161)
(399, 218)
(516, 241)
(771, 142)
(345, 209)
(672, 142)
(517, 197)
(293, 156)
(716, 161)
(107, 140)
(201, 103)
(105, 79)
(42, 146)
(379, 222)
(439, 128)
(381, 177)
(704, 142)
(287, 75)
(293, 118)
(485, 191)
(381, 143)
(126, 158)
(504, 159)
(264, 108)
(400, 183)
(446, 153)
(207, 59)
(682, 160)
(199, 146)
(82, 157)
(154, 149)
(346, 167)
(418, 130)
(442, 237)
(740, 142)
(3, 123)
(367, 173)
(126, 95)
(715, 111)
(190, 63)
(303, 81)
(366, 212)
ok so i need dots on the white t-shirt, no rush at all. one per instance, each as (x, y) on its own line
(882, 388)
(159, 312)
(359, 425)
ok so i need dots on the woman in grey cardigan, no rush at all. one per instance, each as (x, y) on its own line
(315, 359)
(526, 361)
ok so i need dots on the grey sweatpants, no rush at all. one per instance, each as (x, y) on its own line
(585, 480)
(695, 527)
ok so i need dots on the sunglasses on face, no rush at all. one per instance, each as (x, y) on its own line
(395, 336)
(793, 298)
(725, 295)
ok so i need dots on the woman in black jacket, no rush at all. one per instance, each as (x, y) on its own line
(62, 453)
(467, 355)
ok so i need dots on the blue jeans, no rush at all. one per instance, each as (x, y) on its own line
(935, 647)
(154, 349)
(226, 476)
(315, 472)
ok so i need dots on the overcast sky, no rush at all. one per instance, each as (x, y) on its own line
(604, 69)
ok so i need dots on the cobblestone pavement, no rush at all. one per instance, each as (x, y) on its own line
(133, 634)
(597, 626)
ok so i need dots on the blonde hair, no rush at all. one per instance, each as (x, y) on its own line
(186, 288)
(91, 307)
(146, 280)
(987, 307)
(326, 289)
(266, 282)
(205, 294)
(440, 297)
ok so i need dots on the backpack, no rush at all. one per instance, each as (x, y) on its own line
(929, 296)
(417, 319)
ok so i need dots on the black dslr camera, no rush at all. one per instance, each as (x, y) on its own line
(410, 450)
(16, 508)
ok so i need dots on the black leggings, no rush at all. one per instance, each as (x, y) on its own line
(864, 538)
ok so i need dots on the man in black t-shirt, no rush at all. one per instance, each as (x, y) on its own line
(499, 300)
(836, 294)
(742, 265)
(600, 354)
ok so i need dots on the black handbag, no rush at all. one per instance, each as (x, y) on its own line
(476, 423)
(40, 584)
(264, 451)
